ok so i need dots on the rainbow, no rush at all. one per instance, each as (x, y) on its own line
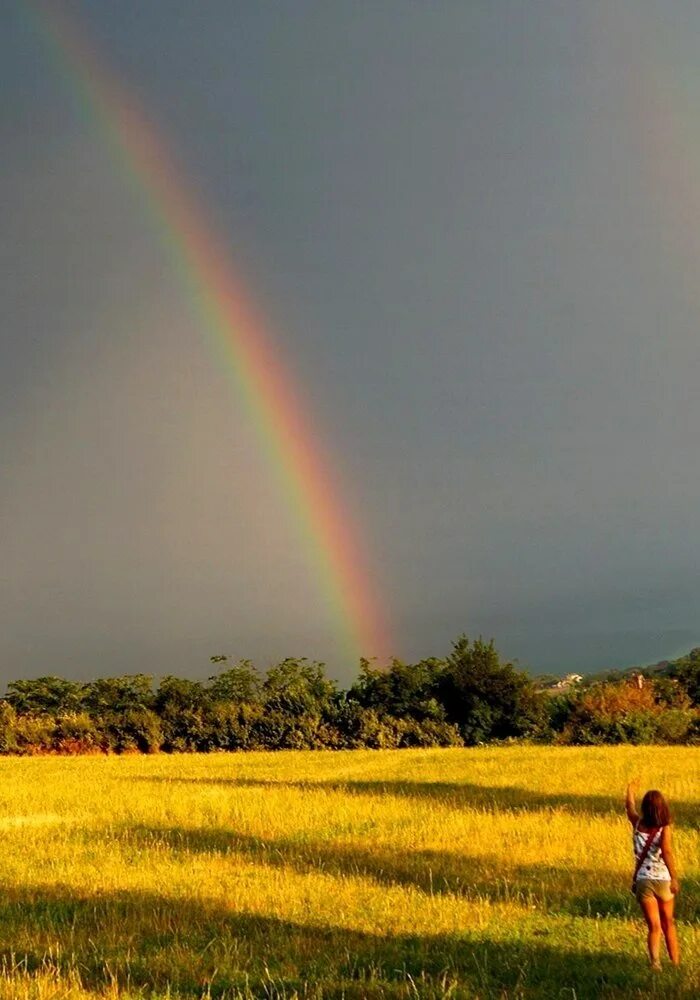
(230, 320)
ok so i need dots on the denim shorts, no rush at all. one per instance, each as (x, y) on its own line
(648, 887)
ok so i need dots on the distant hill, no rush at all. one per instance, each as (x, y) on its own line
(664, 668)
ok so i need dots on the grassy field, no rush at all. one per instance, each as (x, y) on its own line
(495, 872)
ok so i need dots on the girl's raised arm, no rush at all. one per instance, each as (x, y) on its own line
(630, 804)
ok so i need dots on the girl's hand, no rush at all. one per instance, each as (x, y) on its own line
(630, 806)
(675, 886)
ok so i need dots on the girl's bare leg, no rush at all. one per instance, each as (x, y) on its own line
(668, 926)
(650, 909)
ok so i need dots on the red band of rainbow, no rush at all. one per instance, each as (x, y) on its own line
(228, 317)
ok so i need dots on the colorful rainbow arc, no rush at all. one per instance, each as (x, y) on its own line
(228, 316)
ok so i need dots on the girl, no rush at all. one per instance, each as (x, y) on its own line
(655, 882)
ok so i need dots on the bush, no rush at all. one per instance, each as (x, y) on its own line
(470, 697)
(35, 734)
(297, 688)
(676, 725)
(45, 696)
(277, 730)
(686, 671)
(138, 729)
(77, 732)
(403, 690)
(8, 728)
(429, 733)
(486, 698)
(620, 712)
(231, 726)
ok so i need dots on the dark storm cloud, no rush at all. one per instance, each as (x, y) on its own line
(446, 212)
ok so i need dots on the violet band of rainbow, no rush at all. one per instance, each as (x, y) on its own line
(226, 315)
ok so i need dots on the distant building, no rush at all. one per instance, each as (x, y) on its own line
(570, 680)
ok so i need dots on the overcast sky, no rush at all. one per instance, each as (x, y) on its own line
(471, 226)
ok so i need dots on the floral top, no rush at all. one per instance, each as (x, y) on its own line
(654, 867)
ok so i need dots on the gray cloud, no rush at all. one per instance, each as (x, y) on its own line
(449, 216)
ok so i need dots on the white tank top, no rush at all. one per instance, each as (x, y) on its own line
(654, 866)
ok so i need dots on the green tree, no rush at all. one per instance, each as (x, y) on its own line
(136, 729)
(240, 683)
(182, 706)
(118, 694)
(686, 671)
(49, 695)
(8, 728)
(297, 687)
(403, 690)
(485, 697)
(79, 732)
(298, 700)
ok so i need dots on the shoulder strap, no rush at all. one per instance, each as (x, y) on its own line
(645, 850)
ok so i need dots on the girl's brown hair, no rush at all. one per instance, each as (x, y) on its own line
(655, 811)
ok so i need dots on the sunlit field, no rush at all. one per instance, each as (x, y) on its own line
(495, 872)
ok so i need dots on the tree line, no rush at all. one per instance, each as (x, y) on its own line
(470, 697)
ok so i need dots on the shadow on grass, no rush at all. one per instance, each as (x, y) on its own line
(491, 798)
(148, 943)
(551, 888)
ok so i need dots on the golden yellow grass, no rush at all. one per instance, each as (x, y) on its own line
(494, 872)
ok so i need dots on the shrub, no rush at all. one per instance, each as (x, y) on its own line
(8, 728)
(486, 698)
(45, 695)
(77, 732)
(138, 729)
(429, 733)
(35, 734)
(277, 730)
(470, 697)
(620, 712)
(240, 683)
(229, 726)
(686, 671)
(298, 688)
(403, 690)
(676, 725)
